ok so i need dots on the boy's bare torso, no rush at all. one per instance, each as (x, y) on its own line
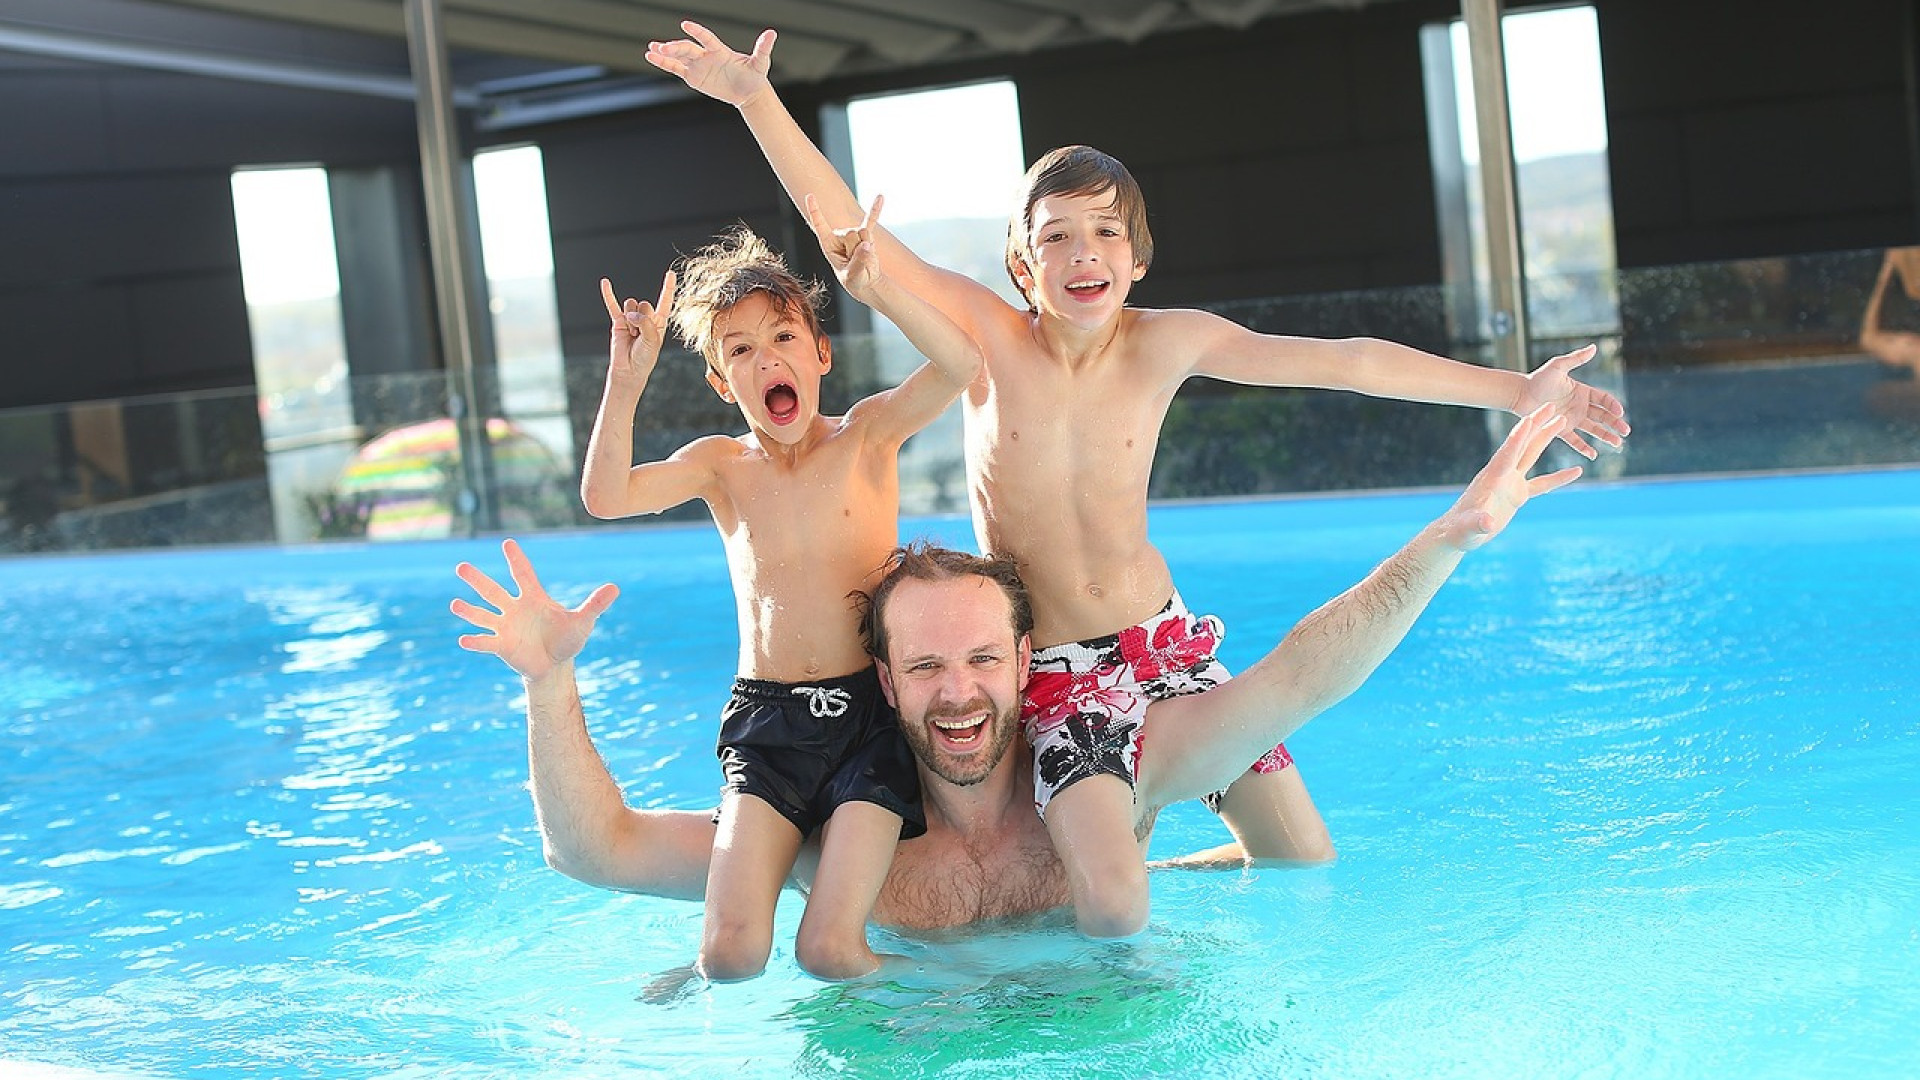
(1059, 455)
(804, 528)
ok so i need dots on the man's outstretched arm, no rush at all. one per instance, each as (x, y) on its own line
(1203, 743)
(587, 830)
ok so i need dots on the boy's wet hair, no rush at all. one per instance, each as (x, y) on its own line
(721, 274)
(1078, 170)
(923, 560)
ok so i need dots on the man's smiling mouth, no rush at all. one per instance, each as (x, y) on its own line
(963, 730)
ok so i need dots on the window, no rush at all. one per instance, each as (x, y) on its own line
(292, 282)
(516, 245)
(1558, 116)
(291, 275)
(949, 162)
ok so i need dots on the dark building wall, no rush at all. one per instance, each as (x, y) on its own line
(1283, 159)
(1288, 158)
(121, 271)
(628, 195)
(1745, 128)
(1292, 157)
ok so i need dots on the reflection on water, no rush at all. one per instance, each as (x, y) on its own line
(1005, 1005)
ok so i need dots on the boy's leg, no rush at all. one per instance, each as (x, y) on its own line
(1084, 728)
(1267, 808)
(1091, 823)
(1273, 817)
(753, 854)
(856, 850)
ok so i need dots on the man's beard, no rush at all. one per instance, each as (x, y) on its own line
(998, 733)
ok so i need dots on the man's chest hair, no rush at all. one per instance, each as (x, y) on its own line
(951, 885)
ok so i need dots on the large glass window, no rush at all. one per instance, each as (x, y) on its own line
(291, 275)
(516, 244)
(1557, 109)
(292, 282)
(949, 162)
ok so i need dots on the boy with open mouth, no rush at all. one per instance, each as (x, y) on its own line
(808, 509)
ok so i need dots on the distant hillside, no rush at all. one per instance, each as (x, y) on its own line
(1565, 182)
(1567, 228)
(975, 247)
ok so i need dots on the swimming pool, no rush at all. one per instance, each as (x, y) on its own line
(1636, 797)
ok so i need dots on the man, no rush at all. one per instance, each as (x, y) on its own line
(952, 652)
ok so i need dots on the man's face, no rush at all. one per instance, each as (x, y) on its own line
(953, 672)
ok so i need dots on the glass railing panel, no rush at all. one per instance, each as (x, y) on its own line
(1755, 365)
(1759, 365)
(1226, 440)
(1724, 367)
(134, 472)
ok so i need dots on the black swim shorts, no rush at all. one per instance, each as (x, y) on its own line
(807, 748)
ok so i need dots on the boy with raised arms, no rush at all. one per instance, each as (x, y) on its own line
(808, 508)
(1061, 429)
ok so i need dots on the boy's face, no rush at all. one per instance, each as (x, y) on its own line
(1081, 263)
(770, 365)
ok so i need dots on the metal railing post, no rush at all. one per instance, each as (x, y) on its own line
(1486, 51)
(447, 234)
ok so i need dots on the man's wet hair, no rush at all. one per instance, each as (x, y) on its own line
(721, 274)
(923, 560)
(1078, 170)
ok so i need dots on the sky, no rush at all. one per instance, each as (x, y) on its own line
(972, 133)
(286, 234)
(1554, 91)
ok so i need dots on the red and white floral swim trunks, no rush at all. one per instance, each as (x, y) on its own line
(1086, 701)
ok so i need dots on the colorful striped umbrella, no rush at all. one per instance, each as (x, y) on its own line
(409, 478)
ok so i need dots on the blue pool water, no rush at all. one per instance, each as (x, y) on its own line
(1636, 798)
